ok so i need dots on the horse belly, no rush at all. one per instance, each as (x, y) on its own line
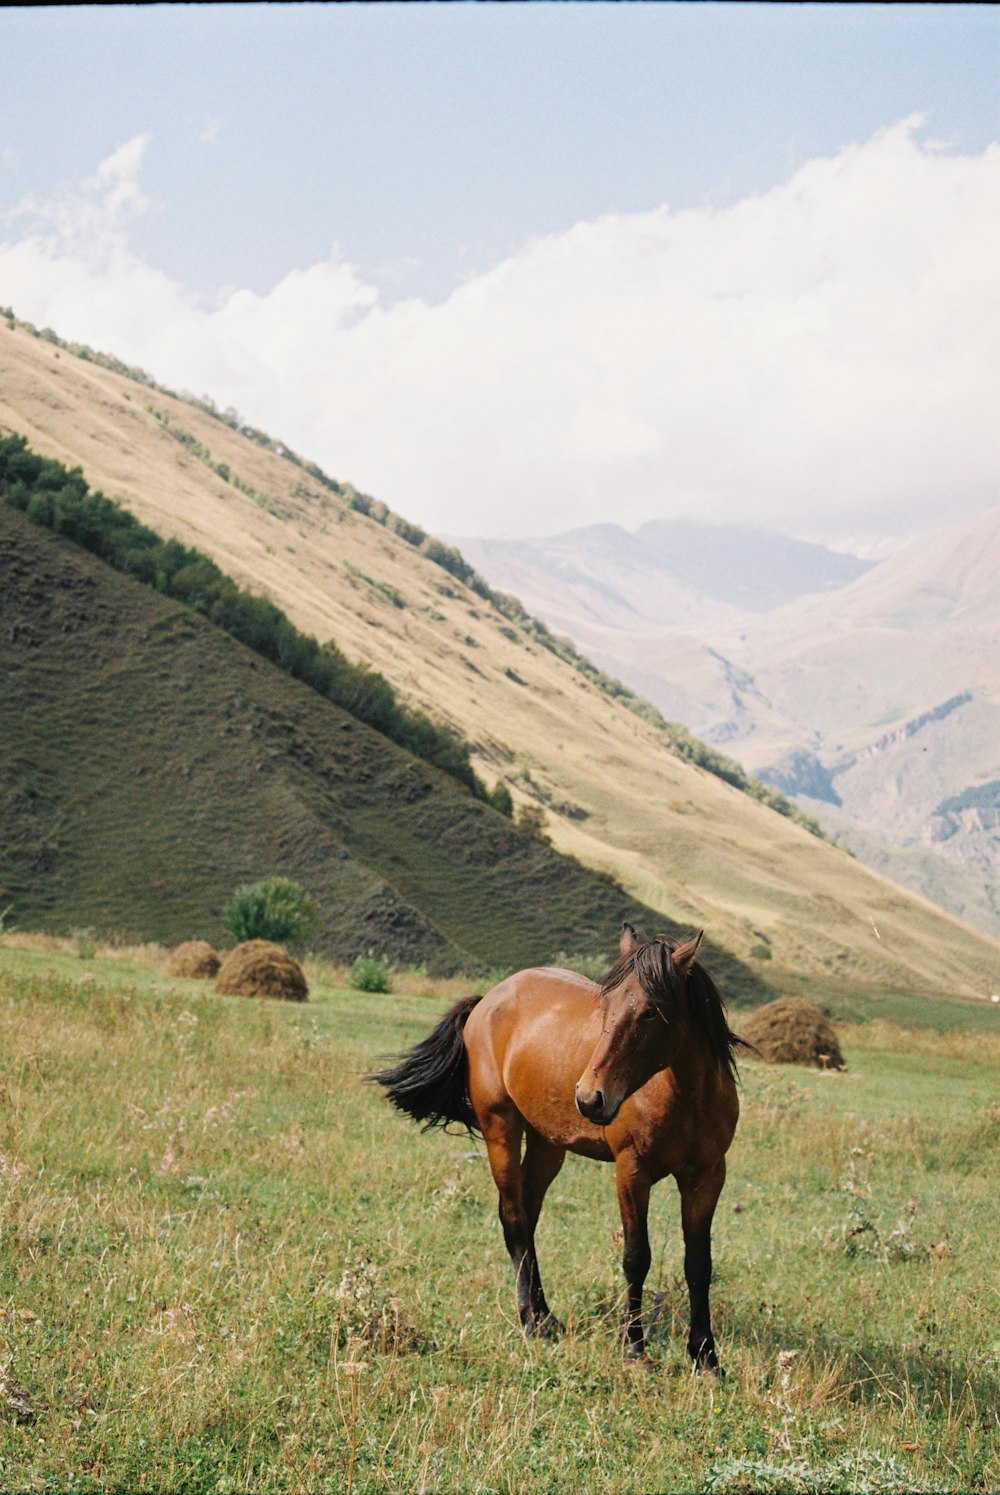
(558, 1120)
(541, 1081)
(528, 1044)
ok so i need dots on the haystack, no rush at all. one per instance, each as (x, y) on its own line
(259, 969)
(793, 1031)
(193, 958)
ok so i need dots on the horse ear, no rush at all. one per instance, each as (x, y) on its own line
(683, 956)
(628, 941)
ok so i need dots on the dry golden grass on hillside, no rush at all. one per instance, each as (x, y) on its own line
(84, 943)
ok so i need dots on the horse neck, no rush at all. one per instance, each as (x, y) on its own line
(693, 1065)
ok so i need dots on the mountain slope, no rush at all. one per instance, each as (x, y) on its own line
(616, 795)
(150, 764)
(871, 704)
(919, 629)
(892, 687)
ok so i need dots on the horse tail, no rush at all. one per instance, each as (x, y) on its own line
(431, 1082)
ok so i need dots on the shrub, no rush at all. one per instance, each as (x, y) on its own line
(369, 974)
(531, 821)
(276, 909)
(500, 799)
(84, 944)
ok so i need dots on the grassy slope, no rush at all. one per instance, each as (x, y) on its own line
(206, 1217)
(151, 763)
(677, 838)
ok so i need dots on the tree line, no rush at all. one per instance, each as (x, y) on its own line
(51, 495)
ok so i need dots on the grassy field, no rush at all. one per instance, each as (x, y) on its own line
(227, 1265)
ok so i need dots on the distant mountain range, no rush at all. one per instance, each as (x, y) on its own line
(870, 693)
(617, 791)
(652, 573)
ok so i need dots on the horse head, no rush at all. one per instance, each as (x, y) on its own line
(642, 1022)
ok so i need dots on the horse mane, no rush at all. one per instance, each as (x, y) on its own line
(696, 1001)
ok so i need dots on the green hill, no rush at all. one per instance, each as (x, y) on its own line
(149, 763)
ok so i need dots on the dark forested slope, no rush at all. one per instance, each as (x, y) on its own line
(149, 763)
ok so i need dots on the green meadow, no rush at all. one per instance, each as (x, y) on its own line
(226, 1264)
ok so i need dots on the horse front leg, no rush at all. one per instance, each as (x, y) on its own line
(521, 1190)
(699, 1196)
(633, 1185)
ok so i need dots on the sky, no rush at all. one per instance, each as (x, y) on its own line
(517, 268)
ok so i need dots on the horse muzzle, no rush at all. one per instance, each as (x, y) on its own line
(597, 1106)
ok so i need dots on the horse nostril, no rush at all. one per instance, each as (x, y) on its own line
(589, 1105)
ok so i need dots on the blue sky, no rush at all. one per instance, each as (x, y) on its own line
(430, 141)
(376, 164)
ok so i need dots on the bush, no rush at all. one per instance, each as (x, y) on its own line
(500, 798)
(531, 821)
(369, 974)
(276, 909)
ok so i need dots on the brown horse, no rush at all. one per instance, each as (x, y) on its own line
(638, 1071)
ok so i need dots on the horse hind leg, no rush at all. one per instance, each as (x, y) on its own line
(521, 1188)
(542, 1161)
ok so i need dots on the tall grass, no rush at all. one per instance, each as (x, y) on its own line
(227, 1265)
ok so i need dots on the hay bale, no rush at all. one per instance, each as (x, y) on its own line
(193, 958)
(793, 1031)
(257, 968)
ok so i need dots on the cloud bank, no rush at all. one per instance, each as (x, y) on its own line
(821, 358)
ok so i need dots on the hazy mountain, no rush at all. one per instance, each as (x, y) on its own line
(876, 694)
(652, 573)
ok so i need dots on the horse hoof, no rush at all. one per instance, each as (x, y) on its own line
(638, 1361)
(712, 1372)
(548, 1328)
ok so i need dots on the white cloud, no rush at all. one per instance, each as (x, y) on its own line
(820, 358)
(88, 226)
